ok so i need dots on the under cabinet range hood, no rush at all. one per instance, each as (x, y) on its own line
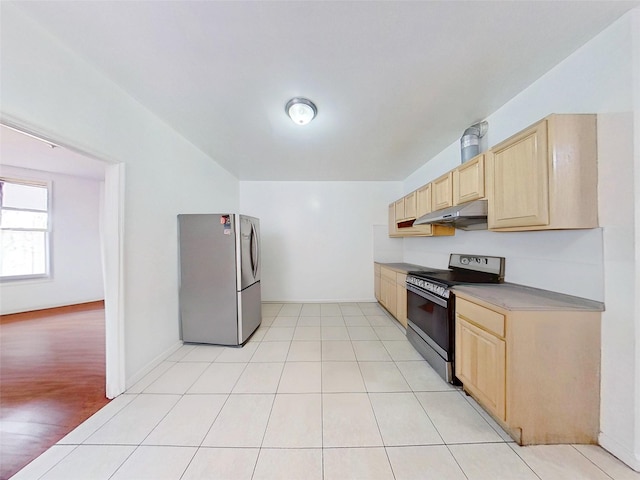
(468, 216)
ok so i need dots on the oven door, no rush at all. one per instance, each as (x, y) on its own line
(432, 319)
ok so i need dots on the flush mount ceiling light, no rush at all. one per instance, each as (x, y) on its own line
(301, 110)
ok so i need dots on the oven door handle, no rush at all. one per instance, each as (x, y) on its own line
(427, 295)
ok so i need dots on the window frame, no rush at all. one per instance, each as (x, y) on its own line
(48, 184)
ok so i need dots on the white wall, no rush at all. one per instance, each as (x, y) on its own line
(568, 262)
(47, 88)
(601, 264)
(76, 271)
(595, 79)
(318, 237)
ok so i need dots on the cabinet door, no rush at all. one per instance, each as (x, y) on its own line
(393, 226)
(401, 299)
(376, 281)
(468, 181)
(423, 200)
(519, 180)
(481, 365)
(400, 216)
(410, 206)
(392, 301)
(383, 291)
(442, 192)
(388, 294)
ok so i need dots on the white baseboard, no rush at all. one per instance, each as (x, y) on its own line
(48, 306)
(131, 381)
(342, 300)
(619, 451)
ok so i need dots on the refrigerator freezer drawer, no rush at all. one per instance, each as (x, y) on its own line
(249, 311)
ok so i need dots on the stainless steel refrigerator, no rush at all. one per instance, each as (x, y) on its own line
(220, 299)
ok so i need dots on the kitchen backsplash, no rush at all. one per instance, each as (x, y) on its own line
(566, 261)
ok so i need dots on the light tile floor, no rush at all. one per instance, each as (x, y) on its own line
(321, 391)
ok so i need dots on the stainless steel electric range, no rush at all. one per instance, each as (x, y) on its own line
(431, 306)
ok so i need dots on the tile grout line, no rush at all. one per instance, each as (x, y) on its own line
(136, 446)
(275, 394)
(321, 404)
(255, 465)
(124, 461)
(75, 447)
(464, 396)
(456, 460)
(375, 417)
(525, 462)
(369, 393)
(598, 466)
(135, 395)
(228, 395)
(183, 395)
(429, 417)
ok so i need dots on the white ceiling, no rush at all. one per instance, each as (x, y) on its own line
(395, 82)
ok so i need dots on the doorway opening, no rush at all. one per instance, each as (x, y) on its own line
(95, 325)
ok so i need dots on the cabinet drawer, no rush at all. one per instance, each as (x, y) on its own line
(483, 317)
(401, 279)
(388, 273)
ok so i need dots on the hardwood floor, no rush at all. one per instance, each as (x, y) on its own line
(52, 372)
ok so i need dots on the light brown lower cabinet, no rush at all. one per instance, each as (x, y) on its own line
(536, 372)
(482, 365)
(376, 280)
(393, 293)
(388, 294)
(401, 299)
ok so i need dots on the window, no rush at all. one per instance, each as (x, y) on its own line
(24, 229)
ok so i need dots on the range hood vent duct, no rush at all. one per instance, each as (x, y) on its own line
(468, 216)
(470, 140)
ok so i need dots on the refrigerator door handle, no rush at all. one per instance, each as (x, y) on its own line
(254, 251)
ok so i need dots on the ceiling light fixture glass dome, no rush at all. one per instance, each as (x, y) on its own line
(301, 110)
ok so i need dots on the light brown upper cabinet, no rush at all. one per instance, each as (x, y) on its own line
(400, 210)
(406, 208)
(393, 226)
(545, 177)
(410, 206)
(403, 212)
(423, 200)
(442, 192)
(468, 181)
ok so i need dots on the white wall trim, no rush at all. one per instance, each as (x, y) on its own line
(619, 451)
(635, 35)
(135, 378)
(52, 305)
(113, 262)
(113, 270)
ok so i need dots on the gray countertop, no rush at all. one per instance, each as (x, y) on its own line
(404, 267)
(511, 296)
